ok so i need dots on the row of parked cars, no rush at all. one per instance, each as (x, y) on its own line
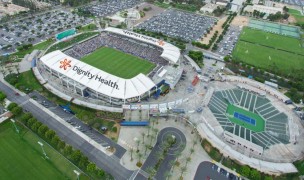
(223, 172)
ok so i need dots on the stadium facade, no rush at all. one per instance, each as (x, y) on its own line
(88, 81)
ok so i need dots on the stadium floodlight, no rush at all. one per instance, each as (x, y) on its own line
(41, 144)
(14, 123)
(77, 173)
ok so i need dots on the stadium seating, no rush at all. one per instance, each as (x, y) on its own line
(276, 122)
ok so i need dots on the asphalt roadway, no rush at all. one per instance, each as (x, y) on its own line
(165, 165)
(110, 164)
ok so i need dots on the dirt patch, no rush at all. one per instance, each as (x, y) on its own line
(217, 27)
(292, 19)
(111, 134)
(155, 10)
(207, 148)
(240, 21)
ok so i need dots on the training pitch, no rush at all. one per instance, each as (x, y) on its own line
(22, 157)
(257, 126)
(269, 51)
(118, 63)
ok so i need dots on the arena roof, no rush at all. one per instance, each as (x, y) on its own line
(171, 52)
(97, 79)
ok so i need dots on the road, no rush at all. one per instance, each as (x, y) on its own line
(108, 163)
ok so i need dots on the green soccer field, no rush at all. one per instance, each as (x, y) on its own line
(259, 121)
(268, 58)
(272, 40)
(22, 158)
(118, 63)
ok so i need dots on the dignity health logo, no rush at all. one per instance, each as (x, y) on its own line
(65, 64)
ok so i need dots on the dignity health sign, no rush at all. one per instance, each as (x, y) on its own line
(65, 64)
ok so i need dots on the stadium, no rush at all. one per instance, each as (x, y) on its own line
(114, 67)
(253, 119)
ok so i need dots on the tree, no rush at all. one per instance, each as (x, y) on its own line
(188, 159)
(35, 126)
(68, 150)
(146, 148)
(76, 155)
(42, 129)
(49, 134)
(151, 171)
(100, 172)
(2, 96)
(183, 169)
(91, 167)
(30, 122)
(143, 136)
(131, 153)
(139, 156)
(191, 151)
(61, 145)
(55, 140)
(83, 162)
(11, 106)
(245, 171)
(25, 117)
(255, 174)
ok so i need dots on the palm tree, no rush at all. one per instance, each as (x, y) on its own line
(159, 155)
(131, 153)
(17, 68)
(149, 128)
(194, 143)
(167, 175)
(151, 171)
(188, 159)
(143, 136)
(146, 148)
(137, 142)
(192, 151)
(153, 121)
(151, 139)
(177, 154)
(155, 130)
(172, 164)
(183, 170)
(139, 156)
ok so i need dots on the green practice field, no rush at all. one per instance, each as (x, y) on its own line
(118, 63)
(272, 40)
(22, 157)
(269, 51)
(259, 122)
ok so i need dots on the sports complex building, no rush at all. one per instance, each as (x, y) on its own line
(91, 77)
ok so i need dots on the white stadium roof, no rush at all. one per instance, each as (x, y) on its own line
(171, 52)
(97, 79)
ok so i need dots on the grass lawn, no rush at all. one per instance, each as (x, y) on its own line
(28, 80)
(89, 27)
(268, 58)
(299, 17)
(300, 166)
(22, 158)
(162, 5)
(259, 122)
(273, 40)
(41, 46)
(118, 63)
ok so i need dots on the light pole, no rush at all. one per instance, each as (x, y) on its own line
(41, 144)
(14, 123)
(77, 173)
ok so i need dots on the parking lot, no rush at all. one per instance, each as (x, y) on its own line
(179, 24)
(225, 47)
(207, 171)
(110, 7)
(36, 29)
(78, 124)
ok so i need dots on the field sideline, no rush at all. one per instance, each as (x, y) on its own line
(22, 158)
(118, 63)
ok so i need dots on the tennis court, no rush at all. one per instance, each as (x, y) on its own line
(245, 118)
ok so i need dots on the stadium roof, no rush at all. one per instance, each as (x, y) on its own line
(171, 52)
(97, 79)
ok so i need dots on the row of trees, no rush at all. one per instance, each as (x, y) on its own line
(2, 96)
(76, 156)
(197, 56)
(225, 27)
(206, 46)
